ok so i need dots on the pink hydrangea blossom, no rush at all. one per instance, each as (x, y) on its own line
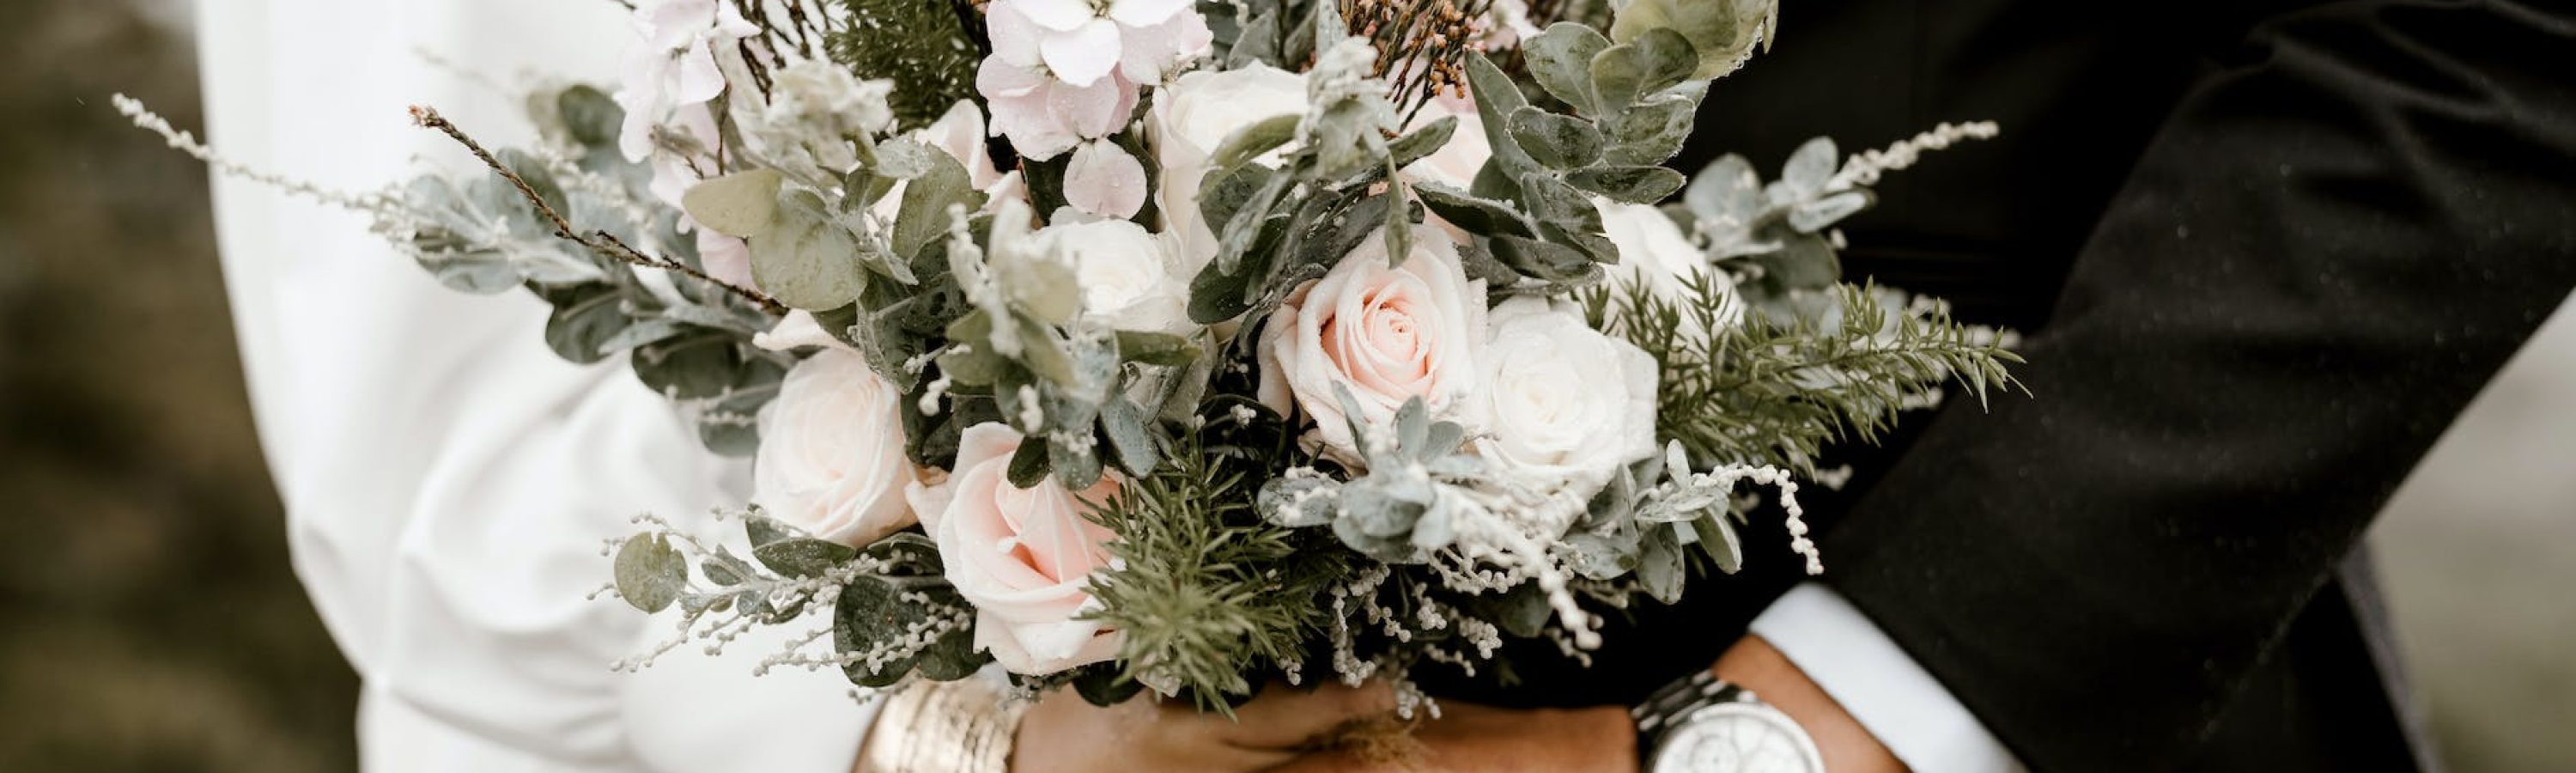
(1066, 71)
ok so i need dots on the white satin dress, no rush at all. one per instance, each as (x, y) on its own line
(448, 481)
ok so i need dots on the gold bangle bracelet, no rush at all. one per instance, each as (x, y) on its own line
(965, 726)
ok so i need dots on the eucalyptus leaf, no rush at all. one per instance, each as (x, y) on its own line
(927, 201)
(1151, 348)
(905, 159)
(1029, 464)
(1560, 59)
(585, 318)
(1251, 142)
(1718, 539)
(1422, 142)
(1819, 213)
(590, 116)
(806, 258)
(1632, 184)
(1654, 129)
(650, 573)
(1496, 99)
(1659, 563)
(742, 204)
(1123, 423)
(803, 556)
(1541, 260)
(1808, 168)
(1556, 141)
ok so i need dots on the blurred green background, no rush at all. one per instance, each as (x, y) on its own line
(149, 620)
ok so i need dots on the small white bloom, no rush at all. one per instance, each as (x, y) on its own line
(1654, 252)
(1563, 401)
(1127, 275)
(1190, 119)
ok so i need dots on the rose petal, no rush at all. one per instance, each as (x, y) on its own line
(1104, 180)
(1080, 56)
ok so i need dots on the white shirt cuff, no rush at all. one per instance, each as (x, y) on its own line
(1879, 684)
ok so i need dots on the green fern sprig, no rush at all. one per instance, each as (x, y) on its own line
(1768, 390)
(1204, 590)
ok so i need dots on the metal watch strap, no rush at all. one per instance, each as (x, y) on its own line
(1675, 703)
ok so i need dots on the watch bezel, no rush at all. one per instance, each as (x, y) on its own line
(1698, 720)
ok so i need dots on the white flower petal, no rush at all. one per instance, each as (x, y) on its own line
(1082, 55)
(1146, 13)
(1015, 38)
(1092, 111)
(1104, 180)
(1058, 15)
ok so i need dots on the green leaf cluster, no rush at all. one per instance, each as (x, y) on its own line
(1208, 594)
(1531, 208)
(692, 344)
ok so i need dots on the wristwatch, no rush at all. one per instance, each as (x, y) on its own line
(1704, 725)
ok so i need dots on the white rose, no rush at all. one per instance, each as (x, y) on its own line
(831, 457)
(1129, 277)
(1387, 334)
(1190, 120)
(1022, 556)
(1654, 252)
(1562, 400)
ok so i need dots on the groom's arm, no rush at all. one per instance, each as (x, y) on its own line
(2324, 254)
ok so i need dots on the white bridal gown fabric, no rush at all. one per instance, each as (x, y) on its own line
(448, 481)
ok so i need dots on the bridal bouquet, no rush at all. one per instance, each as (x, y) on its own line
(1151, 344)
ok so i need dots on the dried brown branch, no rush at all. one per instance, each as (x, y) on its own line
(599, 242)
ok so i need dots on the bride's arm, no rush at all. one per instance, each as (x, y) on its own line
(448, 481)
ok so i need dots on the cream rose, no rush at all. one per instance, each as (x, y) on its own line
(1386, 333)
(831, 457)
(1129, 278)
(1022, 556)
(1190, 119)
(1561, 399)
(1654, 252)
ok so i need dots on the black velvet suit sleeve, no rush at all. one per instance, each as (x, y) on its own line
(2333, 243)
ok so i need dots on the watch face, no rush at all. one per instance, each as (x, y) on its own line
(1738, 738)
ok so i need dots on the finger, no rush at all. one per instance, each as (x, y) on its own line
(1332, 762)
(1284, 717)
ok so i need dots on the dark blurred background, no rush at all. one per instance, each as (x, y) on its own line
(149, 620)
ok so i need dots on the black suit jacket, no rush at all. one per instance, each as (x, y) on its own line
(2266, 251)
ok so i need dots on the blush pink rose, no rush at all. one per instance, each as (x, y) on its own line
(1386, 333)
(1022, 556)
(831, 459)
